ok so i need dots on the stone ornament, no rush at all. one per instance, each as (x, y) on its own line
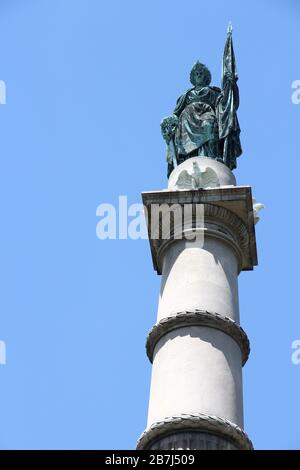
(198, 421)
(257, 206)
(200, 173)
(198, 318)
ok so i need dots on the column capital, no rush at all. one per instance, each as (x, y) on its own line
(227, 214)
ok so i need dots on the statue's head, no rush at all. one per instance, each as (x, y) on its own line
(200, 75)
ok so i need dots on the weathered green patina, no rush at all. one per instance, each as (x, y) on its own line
(204, 121)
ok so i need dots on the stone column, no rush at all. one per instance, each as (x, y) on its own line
(197, 347)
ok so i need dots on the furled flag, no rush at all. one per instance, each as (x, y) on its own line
(229, 129)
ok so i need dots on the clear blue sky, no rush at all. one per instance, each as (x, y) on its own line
(87, 84)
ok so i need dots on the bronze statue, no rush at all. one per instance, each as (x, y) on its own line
(204, 122)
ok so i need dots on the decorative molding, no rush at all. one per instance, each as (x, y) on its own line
(228, 212)
(195, 422)
(223, 220)
(210, 230)
(229, 219)
(198, 318)
(219, 222)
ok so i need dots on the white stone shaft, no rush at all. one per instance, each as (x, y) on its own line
(198, 369)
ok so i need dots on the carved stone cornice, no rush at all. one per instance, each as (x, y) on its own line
(195, 422)
(228, 215)
(198, 318)
(218, 222)
(218, 232)
(234, 223)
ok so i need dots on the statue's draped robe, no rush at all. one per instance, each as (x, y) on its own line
(198, 125)
(208, 124)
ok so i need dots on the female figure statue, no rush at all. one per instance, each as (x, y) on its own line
(204, 121)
